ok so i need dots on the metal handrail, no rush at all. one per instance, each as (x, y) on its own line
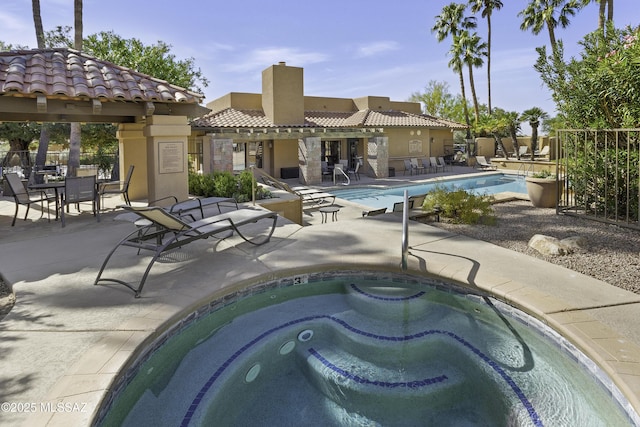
(405, 231)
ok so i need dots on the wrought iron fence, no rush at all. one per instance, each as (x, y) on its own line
(601, 175)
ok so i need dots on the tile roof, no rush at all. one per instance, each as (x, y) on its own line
(233, 118)
(69, 74)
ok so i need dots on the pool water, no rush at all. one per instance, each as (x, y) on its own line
(365, 350)
(385, 197)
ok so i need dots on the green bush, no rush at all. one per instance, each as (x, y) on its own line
(225, 184)
(461, 206)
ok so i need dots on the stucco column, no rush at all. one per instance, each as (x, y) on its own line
(221, 157)
(167, 148)
(377, 158)
(309, 156)
(133, 151)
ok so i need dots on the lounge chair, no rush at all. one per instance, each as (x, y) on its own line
(166, 232)
(522, 150)
(484, 164)
(542, 153)
(308, 194)
(185, 207)
(374, 212)
(23, 197)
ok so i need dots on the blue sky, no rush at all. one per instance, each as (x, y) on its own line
(347, 48)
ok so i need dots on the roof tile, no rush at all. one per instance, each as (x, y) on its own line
(66, 73)
(232, 118)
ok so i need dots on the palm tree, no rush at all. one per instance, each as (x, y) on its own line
(550, 14)
(450, 23)
(472, 49)
(533, 116)
(486, 7)
(74, 136)
(456, 64)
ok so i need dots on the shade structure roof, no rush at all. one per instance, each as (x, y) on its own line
(65, 85)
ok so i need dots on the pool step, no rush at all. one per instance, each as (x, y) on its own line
(379, 392)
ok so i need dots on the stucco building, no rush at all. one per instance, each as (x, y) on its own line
(287, 134)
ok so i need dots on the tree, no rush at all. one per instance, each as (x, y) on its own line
(497, 127)
(436, 100)
(43, 146)
(472, 50)
(75, 135)
(486, 8)
(155, 60)
(450, 23)
(600, 88)
(550, 14)
(533, 116)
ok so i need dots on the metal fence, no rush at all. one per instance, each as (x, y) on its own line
(601, 175)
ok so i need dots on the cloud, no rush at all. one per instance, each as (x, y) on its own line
(376, 48)
(259, 59)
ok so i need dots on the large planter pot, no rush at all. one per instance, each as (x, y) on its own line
(543, 192)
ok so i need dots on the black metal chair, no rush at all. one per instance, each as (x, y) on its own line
(118, 187)
(80, 189)
(23, 197)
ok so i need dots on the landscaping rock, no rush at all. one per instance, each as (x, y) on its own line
(548, 245)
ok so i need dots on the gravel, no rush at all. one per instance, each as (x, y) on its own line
(612, 253)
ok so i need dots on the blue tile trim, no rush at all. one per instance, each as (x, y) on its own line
(533, 415)
(408, 384)
(360, 291)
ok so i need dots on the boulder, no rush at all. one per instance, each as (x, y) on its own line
(548, 245)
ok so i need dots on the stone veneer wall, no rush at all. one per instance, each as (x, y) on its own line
(309, 154)
(221, 154)
(377, 159)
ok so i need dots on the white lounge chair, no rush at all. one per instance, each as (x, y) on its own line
(484, 164)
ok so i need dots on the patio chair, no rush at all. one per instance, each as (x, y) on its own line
(417, 167)
(23, 197)
(408, 167)
(435, 165)
(443, 163)
(118, 187)
(355, 171)
(426, 164)
(80, 189)
(166, 232)
(484, 164)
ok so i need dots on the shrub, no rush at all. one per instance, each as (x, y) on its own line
(225, 184)
(461, 206)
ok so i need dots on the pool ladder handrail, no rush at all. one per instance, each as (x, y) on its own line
(526, 168)
(343, 173)
(405, 231)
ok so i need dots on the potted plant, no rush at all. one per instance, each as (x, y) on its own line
(543, 189)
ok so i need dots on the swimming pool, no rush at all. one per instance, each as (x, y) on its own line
(360, 349)
(376, 197)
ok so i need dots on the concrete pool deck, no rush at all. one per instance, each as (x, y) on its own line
(65, 340)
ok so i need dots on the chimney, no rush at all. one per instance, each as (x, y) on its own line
(283, 94)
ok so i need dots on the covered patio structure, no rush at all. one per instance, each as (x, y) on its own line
(65, 85)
